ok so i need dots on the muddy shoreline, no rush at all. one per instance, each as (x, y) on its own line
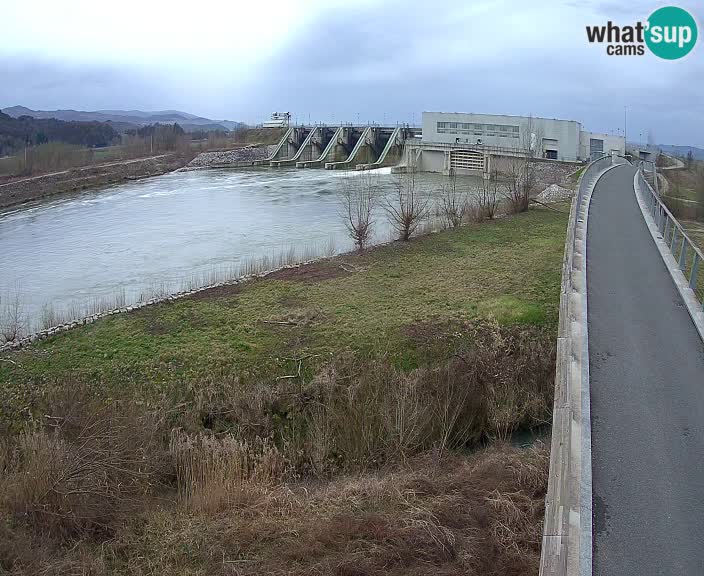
(38, 187)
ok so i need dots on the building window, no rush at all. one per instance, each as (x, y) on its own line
(596, 145)
(475, 129)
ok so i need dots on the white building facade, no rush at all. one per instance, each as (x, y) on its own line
(489, 135)
(278, 120)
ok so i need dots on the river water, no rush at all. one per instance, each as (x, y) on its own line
(76, 253)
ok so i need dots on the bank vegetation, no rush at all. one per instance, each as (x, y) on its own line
(359, 415)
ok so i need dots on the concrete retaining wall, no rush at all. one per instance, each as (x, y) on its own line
(567, 532)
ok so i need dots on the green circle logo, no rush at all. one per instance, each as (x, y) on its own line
(670, 32)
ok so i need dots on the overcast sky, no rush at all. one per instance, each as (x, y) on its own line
(331, 60)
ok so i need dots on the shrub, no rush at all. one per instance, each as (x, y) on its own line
(81, 472)
(481, 381)
(211, 471)
(358, 197)
(454, 203)
(407, 207)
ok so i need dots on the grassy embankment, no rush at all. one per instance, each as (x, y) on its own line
(685, 191)
(316, 421)
(684, 196)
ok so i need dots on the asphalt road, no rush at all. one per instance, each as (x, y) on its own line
(646, 365)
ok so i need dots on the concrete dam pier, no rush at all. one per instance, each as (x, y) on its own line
(340, 148)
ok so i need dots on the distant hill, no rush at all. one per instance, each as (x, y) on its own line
(142, 114)
(681, 151)
(127, 119)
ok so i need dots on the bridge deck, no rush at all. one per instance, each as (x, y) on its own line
(647, 392)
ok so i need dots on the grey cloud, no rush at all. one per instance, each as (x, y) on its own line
(43, 84)
(393, 60)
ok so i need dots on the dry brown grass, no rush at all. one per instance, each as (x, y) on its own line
(361, 468)
(80, 470)
(479, 514)
(212, 472)
(357, 413)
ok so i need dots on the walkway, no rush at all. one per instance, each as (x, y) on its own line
(647, 392)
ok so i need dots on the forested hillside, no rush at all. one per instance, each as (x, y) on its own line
(16, 133)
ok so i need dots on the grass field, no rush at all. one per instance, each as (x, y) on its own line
(508, 269)
(352, 416)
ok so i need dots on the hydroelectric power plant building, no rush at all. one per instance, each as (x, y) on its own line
(477, 142)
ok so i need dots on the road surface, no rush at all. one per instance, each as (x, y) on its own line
(646, 366)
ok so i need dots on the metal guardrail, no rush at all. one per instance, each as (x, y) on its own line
(648, 167)
(688, 256)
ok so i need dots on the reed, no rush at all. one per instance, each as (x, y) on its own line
(15, 320)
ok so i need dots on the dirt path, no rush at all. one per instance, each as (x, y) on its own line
(83, 169)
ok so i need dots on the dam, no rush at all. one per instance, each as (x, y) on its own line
(347, 147)
(462, 143)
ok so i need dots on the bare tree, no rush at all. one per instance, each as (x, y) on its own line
(407, 207)
(520, 172)
(489, 196)
(689, 160)
(358, 197)
(13, 319)
(515, 188)
(454, 203)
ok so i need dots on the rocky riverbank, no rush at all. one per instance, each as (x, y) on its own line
(237, 157)
(550, 172)
(37, 187)
(555, 193)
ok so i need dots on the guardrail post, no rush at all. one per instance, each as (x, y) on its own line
(667, 230)
(673, 243)
(695, 271)
(683, 255)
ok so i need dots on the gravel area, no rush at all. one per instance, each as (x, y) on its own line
(553, 172)
(555, 193)
(225, 157)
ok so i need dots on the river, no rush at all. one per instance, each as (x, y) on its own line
(123, 243)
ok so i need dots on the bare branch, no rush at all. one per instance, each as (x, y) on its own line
(358, 198)
(454, 203)
(407, 207)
